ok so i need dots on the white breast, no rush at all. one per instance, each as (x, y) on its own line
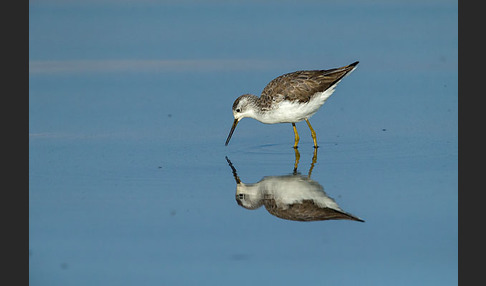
(290, 112)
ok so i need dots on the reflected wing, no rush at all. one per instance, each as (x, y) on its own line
(306, 210)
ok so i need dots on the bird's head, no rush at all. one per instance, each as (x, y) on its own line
(242, 107)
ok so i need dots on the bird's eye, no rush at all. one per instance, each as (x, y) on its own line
(238, 110)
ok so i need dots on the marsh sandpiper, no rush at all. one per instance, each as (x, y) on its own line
(290, 98)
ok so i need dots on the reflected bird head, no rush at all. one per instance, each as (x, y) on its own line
(249, 196)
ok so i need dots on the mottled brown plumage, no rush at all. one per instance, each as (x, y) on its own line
(302, 85)
(305, 210)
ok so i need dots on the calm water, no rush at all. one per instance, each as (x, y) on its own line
(130, 105)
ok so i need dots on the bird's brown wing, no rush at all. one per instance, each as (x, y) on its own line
(302, 85)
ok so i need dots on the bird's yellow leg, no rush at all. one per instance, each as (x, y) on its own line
(314, 160)
(297, 158)
(313, 133)
(296, 136)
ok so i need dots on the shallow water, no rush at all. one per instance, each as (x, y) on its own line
(129, 181)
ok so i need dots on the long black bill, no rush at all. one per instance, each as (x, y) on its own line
(231, 132)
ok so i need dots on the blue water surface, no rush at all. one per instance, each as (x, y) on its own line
(130, 106)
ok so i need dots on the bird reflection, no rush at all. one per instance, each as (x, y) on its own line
(292, 197)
